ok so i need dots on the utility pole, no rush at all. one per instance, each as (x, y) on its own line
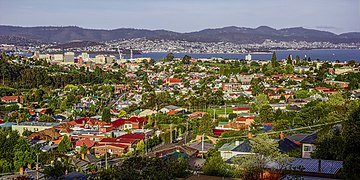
(171, 133)
(145, 142)
(214, 115)
(202, 146)
(187, 129)
(37, 166)
(225, 111)
(106, 163)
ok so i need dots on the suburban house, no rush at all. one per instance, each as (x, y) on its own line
(185, 150)
(32, 126)
(113, 149)
(237, 148)
(88, 143)
(308, 145)
(172, 81)
(131, 123)
(241, 110)
(245, 120)
(201, 147)
(12, 99)
(169, 108)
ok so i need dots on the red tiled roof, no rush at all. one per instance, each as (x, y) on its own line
(12, 98)
(241, 119)
(118, 140)
(72, 123)
(118, 122)
(124, 146)
(110, 140)
(241, 109)
(132, 136)
(31, 112)
(87, 142)
(85, 119)
(172, 80)
(137, 119)
(171, 112)
(218, 132)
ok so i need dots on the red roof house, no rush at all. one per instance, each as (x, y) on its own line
(12, 99)
(87, 142)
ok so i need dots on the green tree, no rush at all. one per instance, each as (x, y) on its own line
(216, 166)
(169, 57)
(265, 151)
(260, 101)
(65, 144)
(186, 59)
(106, 116)
(289, 69)
(289, 60)
(351, 135)
(140, 147)
(122, 113)
(281, 124)
(232, 116)
(83, 149)
(351, 63)
(274, 62)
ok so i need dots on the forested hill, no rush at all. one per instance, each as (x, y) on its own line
(240, 35)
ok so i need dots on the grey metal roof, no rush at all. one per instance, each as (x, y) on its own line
(198, 146)
(244, 146)
(297, 137)
(310, 139)
(312, 165)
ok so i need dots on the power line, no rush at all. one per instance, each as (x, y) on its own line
(288, 130)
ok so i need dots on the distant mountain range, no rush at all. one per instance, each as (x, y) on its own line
(239, 35)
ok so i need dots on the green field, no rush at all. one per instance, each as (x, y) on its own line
(217, 110)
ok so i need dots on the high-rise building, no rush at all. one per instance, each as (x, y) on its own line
(69, 57)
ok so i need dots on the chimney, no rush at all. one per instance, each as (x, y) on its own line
(282, 135)
(237, 143)
(249, 135)
(319, 166)
(21, 171)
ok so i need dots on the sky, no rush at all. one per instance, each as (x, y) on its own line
(338, 16)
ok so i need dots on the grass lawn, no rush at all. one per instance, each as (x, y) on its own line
(217, 110)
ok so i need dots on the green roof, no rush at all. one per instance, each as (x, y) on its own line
(223, 123)
(177, 154)
(228, 147)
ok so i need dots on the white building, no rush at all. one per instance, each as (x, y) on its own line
(69, 57)
(248, 57)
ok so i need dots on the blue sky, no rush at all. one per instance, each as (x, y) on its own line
(184, 15)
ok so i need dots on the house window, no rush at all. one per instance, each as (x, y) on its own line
(307, 148)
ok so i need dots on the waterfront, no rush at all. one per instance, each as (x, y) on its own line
(322, 54)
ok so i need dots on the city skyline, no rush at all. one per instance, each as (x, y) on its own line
(185, 16)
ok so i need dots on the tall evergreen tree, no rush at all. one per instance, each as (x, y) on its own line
(297, 59)
(274, 59)
(106, 116)
(65, 144)
(289, 60)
